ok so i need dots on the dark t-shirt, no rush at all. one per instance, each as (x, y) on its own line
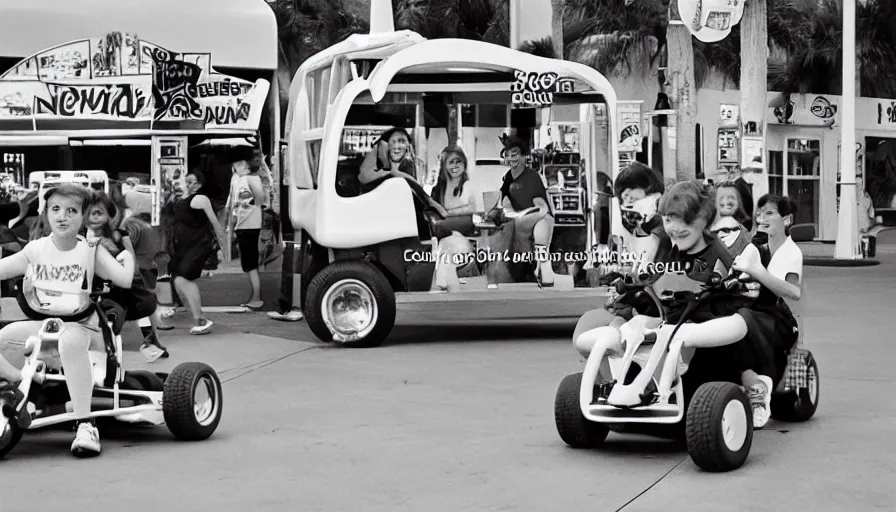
(523, 190)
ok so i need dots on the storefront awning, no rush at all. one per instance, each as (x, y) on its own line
(237, 33)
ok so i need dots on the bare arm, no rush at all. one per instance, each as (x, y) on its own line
(203, 203)
(120, 271)
(369, 171)
(13, 266)
(257, 192)
(129, 246)
(789, 288)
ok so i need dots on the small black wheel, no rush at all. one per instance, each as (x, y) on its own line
(353, 302)
(192, 401)
(798, 405)
(574, 428)
(719, 427)
(142, 380)
(10, 436)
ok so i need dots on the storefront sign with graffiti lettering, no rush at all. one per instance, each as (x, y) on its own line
(886, 113)
(537, 89)
(119, 77)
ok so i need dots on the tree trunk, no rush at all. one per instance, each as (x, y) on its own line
(754, 89)
(557, 27)
(683, 96)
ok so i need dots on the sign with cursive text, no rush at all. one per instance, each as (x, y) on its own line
(120, 77)
(538, 89)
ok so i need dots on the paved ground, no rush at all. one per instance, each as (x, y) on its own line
(460, 418)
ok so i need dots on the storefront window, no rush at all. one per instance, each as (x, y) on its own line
(802, 180)
(776, 172)
(880, 171)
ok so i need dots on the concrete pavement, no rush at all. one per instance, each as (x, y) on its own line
(460, 417)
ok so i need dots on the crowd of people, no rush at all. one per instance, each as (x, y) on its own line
(83, 238)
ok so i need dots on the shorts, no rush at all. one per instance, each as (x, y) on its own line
(13, 336)
(248, 244)
(137, 301)
(150, 278)
(189, 262)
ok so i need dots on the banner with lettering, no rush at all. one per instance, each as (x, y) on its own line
(538, 89)
(122, 78)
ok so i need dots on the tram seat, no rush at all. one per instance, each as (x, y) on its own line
(348, 181)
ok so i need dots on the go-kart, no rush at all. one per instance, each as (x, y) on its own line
(718, 418)
(188, 400)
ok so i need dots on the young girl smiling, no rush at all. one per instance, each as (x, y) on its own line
(58, 272)
(139, 302)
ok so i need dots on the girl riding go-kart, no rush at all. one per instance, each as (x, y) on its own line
(58, 272)
(703, 343)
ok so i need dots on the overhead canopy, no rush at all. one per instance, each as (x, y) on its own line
(237, 33)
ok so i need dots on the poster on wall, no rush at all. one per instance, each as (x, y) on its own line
(628, 126)
(729, 115)
(169, 171)
(729, 148)
(711, 21)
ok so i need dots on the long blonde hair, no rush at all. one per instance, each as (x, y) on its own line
(440, 190)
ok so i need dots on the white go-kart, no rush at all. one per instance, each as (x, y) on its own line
(716, 421)
(188, 400)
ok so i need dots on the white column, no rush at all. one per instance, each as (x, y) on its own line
(381, 20)
(847, 230)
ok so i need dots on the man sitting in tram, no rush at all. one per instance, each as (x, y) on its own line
(524, 198)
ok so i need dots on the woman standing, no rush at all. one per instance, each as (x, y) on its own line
(245, 202)
(195, 229)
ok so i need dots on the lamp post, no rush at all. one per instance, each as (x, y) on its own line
(847, 230)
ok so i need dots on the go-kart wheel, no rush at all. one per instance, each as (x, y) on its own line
(351, 301)
(574, 429)
(142, 380)
(719, 427)
(800, 405)
(192, 401)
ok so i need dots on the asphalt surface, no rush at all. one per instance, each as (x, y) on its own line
(460, 417)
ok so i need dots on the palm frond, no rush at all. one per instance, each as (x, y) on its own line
(543, 47)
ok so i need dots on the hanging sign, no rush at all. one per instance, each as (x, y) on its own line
(537, 89)
(628, 126)
(710, 21)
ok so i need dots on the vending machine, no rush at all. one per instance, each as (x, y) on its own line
(169, 171)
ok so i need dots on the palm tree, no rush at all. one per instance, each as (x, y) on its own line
(481, 20)
(306, 27)
(815, 66)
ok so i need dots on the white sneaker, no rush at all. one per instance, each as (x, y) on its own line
(151, 352)
(292, 316)
(202, 328)
(168, 312)
(761, 400)
(87, 441)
